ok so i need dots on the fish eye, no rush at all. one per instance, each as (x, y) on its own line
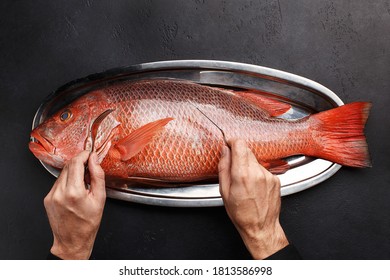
(65, 115)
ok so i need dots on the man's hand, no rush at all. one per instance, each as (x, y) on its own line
(251, 196)
(75, 212)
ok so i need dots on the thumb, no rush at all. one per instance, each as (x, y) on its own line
(98, 184)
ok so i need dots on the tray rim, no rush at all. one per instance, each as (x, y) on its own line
(249, 69)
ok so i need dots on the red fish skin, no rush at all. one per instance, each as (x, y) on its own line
(187, 147)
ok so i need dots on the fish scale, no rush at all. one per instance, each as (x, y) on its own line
(190, 145)
(171, 130)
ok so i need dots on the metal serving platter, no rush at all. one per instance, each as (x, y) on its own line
(305, 96)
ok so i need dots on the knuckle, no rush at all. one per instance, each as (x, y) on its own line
(272, 180)
(255, 178)
(72, 196)
(241, 177)
(260, 180)
(269, 176)
(56, 200)
(47, 201)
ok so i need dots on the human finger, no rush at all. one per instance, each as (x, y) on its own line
(60, 182)
(98, 185)
(76, 167)
(224, 168)
(239, 158)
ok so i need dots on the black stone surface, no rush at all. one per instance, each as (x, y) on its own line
(343, 45)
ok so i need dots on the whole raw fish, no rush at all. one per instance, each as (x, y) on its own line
(174, 130)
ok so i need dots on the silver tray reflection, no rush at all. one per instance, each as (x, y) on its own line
(305, 96)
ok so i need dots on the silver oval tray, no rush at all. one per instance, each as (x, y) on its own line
(305, 96)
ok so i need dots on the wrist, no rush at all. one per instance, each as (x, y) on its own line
(265, 242)
(73, 252)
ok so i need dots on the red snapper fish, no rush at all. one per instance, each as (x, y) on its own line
(174, 131)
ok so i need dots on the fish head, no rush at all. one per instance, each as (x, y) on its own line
(65, 134)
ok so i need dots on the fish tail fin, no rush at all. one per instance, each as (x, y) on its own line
(339, 133)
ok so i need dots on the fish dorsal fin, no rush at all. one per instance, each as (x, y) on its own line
(133, 143)
(273, 107)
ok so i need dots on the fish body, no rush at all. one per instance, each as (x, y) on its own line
(174, 130)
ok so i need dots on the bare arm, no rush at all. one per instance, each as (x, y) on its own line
(75, 212)
(251, 195)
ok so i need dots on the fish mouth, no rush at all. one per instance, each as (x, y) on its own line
(41, 142)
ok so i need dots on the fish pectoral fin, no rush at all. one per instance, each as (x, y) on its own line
(133, 143)
(277, 166)
(273, 107)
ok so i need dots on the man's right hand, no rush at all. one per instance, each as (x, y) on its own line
(74, 211)
(251, 195)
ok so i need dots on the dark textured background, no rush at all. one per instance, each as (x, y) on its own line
(343, 45)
